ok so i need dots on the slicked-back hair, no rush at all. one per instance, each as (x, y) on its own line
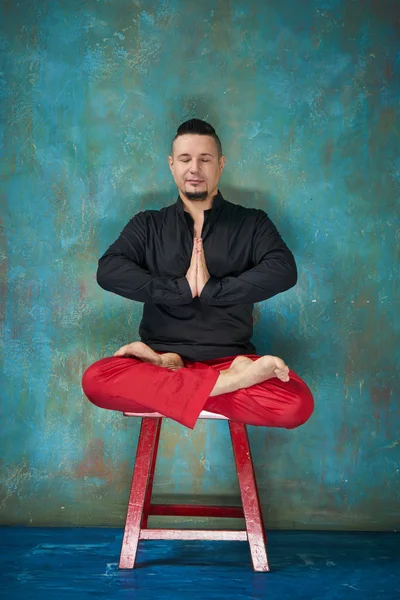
(197, 127)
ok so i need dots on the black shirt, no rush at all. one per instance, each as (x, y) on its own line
(245, 256)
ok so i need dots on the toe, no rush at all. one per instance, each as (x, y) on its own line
(280, 364)
(282, 374)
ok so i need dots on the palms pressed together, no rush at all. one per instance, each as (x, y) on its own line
(197, 275)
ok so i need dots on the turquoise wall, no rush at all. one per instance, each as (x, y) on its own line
(305, 97)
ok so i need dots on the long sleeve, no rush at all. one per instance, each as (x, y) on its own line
(274, 271)
(120, 270)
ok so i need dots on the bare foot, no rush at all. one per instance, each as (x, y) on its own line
(244, 373)
(241, 363)
(169, 360)
(140, 350)
(262, 369)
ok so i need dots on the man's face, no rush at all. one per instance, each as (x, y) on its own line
(195, 166)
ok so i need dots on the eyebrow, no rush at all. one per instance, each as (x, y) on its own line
(202, 154)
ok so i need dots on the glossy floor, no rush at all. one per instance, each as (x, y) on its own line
(82, 563)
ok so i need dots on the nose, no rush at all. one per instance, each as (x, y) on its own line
(194, 166)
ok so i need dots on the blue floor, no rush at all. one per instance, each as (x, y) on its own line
(82, 563)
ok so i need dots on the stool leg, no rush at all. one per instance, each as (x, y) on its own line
(250, 499)
(141, 473)
(147, 500)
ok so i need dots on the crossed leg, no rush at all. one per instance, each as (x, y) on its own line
(254, 390)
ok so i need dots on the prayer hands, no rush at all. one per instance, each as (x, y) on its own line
(197, 274)
(191, 275)
(202, 272)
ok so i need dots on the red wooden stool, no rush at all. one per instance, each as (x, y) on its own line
(140, 507)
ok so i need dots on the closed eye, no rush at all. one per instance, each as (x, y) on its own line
(185, 160)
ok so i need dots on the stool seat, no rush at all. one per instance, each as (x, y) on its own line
(140, 506)
(205, 414)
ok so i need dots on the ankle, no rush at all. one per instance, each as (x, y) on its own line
(159, 362)
(227, 382)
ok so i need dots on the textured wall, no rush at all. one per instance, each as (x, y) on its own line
(305, 96)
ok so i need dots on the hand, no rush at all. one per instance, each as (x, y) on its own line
(202, 272)
(191, 275)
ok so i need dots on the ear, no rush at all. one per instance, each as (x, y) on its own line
(170, 162)
(222, 161)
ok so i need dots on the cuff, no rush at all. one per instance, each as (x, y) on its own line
(184, 289)
(209, 289)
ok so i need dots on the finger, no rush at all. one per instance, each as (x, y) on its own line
(201, 259)
(194, 253)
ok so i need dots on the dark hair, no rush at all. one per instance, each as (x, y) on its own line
(198, 127)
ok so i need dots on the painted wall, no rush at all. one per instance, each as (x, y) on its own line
(305, 96)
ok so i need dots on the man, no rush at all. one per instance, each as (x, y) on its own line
(198, 266)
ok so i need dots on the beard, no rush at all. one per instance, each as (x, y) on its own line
(196, 195)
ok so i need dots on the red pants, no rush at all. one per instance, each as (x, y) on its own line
(131, 385)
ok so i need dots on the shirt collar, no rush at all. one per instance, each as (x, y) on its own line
(217, 203)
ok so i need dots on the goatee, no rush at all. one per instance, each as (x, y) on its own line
(196, 195)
